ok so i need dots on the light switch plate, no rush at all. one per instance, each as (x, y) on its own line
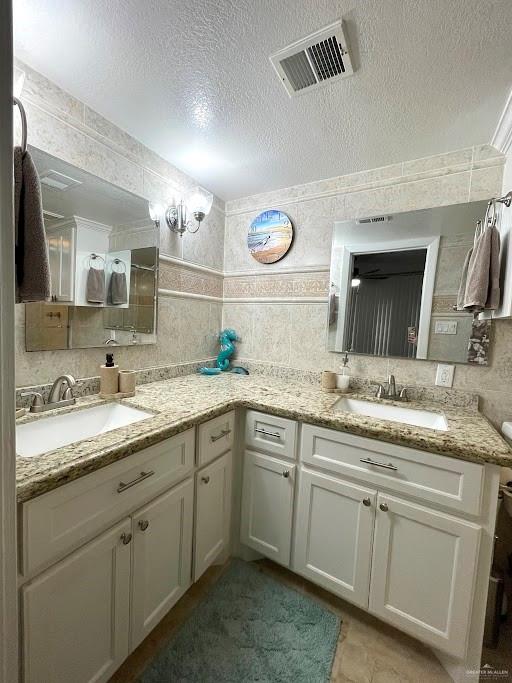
(444, 375)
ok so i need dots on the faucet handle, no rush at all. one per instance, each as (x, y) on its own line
(37, 400)
(403, 394)
(381, 392)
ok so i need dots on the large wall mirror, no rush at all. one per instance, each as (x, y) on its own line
(394, 282)
(103, 250)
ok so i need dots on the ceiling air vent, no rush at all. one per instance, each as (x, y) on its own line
(313, 61)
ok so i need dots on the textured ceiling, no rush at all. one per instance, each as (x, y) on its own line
(192, 80)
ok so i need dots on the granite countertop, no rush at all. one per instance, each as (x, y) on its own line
(181, 403)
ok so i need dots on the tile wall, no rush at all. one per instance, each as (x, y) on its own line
(65, 127)
(280, 309)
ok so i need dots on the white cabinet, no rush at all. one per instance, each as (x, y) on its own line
(213, 513)
(61, 254)
(423, 572)
(162, 556)
(267, 505)
(334, 535)
(76, 614)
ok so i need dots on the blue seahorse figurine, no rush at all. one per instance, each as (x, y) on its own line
(227, 349)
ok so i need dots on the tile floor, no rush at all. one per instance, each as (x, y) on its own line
(368, 651)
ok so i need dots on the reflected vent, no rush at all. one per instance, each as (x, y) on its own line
(323, 56)
(376, 219)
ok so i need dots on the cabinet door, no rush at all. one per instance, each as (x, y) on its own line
(333, 537)
(61, 254)
(213, 513)
(267, 506)
(162, 557)
(423, 571)
(76, 614)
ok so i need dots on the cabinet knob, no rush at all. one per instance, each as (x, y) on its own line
(367, 502)
(126, 538)
(384, 507)
(143, 524)
(205, 480)
(286, 474)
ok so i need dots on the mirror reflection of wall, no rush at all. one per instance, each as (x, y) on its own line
(394, 284)
(103, 250)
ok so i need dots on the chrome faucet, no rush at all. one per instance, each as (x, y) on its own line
(61, 394)
(389, 392)
(59, 391)
(391, 387)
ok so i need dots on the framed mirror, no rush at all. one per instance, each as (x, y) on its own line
(394, 281)
(103, 252)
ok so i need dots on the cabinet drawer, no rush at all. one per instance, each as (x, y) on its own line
(59, 521)
(449, 482)
(215, 437)
(271, 434)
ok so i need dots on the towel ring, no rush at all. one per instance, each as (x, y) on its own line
(488, 220)
(93, 257)
(23, 115)
(118, 262)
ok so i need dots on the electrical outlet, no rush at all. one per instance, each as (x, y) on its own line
(444, 375)
(445, 327)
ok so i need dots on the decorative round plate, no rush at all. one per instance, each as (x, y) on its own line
(270, 236)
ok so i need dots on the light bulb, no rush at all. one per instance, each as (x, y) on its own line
(155, 211)
(200, 202)
(355, 282)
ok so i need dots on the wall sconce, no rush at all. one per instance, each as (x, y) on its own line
(198, 205)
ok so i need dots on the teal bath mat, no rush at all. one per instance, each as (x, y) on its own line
(250, 628)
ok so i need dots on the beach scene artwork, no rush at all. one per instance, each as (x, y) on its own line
(270, 236)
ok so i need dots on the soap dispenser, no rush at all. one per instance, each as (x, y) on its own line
(343, 378)
(109, 376)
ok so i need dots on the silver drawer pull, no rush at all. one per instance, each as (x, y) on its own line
(143, 475)
(224, 432)
(205, 480)
(126, 538)
(264, 431)
(143, 524)
(386, 466)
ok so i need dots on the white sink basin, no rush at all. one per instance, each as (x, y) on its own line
(46, 434)
(383, 411)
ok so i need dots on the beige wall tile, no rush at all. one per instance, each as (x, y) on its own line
(486, 183)
(439, 161)
(70, 144)
(49, 96)
(112, 135)
(207, 246)
(271, 333)
(308, 337)
(240, 318)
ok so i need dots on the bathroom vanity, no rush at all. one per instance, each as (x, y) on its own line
(114, 529)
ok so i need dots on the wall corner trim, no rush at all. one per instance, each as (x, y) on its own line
(502, 138)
